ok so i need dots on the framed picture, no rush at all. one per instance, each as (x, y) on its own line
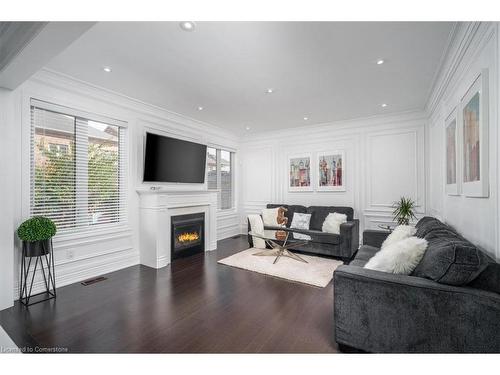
(451, 156)
(331, 171)
(474, 114)
(299, 173)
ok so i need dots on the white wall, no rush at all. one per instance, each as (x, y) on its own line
(6, 202)
(78, 257)
(384, 161)
(475, 46)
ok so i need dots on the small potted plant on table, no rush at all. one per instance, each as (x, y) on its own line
(36, 236)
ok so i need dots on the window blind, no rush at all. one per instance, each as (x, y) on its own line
(220, 176)
(78, 168)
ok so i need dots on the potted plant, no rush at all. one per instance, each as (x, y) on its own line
(404, 211)
(36, 234)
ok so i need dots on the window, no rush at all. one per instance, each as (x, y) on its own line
(78, 168)
(220, 175)
(212, 168)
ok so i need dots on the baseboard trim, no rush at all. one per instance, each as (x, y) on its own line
(227, 232)
(70, 273)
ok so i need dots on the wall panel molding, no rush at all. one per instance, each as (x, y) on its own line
(356, 138)
(82, 256)
(475, 47)
(418, 156)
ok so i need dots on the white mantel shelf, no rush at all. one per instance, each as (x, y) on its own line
(157, 207)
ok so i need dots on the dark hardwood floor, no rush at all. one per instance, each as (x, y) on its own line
(194, 305)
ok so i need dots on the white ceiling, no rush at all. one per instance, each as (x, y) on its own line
(325, 71)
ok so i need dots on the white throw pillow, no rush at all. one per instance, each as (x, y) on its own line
(399, 233)
(270, 217)
(257, 226)
(332, 223)
(400, 258)
(300, 221)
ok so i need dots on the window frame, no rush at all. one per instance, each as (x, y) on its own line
(218, 189)
(78, 231)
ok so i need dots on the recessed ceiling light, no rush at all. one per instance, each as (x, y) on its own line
(380, 61)
(383, 105)
(269, 91)
(200, 108)
(187, 25)
(107, 69)
(247, 127)
(306, 118)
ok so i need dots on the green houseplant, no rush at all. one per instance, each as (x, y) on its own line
(36, 234)
(404, 211)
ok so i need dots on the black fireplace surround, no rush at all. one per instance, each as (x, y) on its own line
(187, 235)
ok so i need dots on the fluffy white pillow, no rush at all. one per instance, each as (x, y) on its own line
(399, 233)
(300, 221)
(400, 258)
(270, 217)
(332, 222)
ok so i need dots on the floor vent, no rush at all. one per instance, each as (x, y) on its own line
(93, 281)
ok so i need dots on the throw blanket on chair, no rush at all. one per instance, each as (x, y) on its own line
(257, 226)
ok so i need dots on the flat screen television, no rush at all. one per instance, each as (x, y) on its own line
(174, 160)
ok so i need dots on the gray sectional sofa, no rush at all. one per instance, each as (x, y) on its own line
(450, 303)
(343, 245)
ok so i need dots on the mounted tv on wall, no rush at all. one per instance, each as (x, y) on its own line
(174, 160)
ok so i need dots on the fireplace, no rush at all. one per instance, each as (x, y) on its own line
(188, 235)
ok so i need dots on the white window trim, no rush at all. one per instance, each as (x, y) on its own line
(76, 112)
(29, 100)
(218, 149)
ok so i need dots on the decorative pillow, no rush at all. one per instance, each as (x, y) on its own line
(399, 258)
(257, 226)
(452, 261)
(301, 221)
(399, 233)
(270, 217)
(332, 223)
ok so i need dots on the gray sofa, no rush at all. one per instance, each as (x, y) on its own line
(343, 245)
(450, 303)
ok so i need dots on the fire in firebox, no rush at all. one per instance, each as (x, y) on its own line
(188, 237)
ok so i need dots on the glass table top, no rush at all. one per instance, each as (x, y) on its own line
(290, 235)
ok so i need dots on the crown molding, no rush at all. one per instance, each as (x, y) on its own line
(465, 40)
(349, 125)
(64, 82)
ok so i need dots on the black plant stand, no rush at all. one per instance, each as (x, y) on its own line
(46, 263)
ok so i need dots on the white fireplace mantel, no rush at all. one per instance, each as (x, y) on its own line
(156, 209)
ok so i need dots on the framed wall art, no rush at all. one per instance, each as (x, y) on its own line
(331, 171)
(299, 172)
(474, 122)
(452, 142)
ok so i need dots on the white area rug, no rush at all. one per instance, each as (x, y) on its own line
(318, 271)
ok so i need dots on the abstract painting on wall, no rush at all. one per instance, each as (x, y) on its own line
(475, 138)
(472, 169)
(451, 154)
(331, 171)
(299, 173)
